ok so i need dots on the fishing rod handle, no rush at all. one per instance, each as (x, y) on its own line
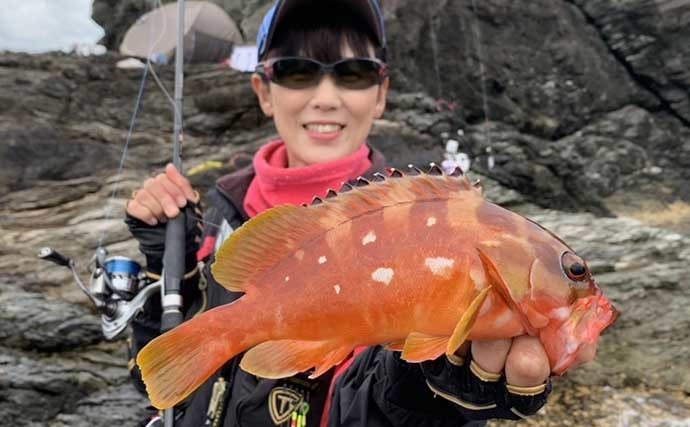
(173, 272)
(52, 255)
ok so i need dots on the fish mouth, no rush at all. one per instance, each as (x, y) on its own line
(576, 338)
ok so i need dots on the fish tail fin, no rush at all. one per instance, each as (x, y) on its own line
(176, 363)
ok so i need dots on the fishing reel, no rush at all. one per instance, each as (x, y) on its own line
(117, 287)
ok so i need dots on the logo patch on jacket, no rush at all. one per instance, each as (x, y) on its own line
(282, 402)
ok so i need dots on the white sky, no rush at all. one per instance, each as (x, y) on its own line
(43, 25)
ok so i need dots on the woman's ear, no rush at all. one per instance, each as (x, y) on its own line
(381, 99)
(263, 94)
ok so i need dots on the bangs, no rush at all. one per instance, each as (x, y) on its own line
(322, 32)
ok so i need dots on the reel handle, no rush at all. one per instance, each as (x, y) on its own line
(54, 256)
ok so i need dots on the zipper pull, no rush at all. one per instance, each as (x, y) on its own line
(215, 405)
(302, 417)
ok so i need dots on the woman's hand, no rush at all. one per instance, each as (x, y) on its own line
(523, 359)
(507, 378)
(161, 197)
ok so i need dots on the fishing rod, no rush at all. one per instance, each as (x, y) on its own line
(174, 254)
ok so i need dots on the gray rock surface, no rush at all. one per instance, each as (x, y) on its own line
(650, 39)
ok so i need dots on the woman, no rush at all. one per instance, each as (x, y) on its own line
(322, 78)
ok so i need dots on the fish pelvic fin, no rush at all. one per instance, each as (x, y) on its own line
(464, 326)
(279, 232)
(176, 363)
(285, 358)
(420, 347)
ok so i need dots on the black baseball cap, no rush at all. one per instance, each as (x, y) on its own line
(368, 9)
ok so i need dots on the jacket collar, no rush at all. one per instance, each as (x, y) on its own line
(234, 186)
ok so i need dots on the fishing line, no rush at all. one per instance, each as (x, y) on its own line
(482, 71)
(162, 88)
(128, 138)
(203, 221)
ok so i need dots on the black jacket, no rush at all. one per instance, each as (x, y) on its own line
(377, 389)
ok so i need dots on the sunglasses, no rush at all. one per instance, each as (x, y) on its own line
(302, 73)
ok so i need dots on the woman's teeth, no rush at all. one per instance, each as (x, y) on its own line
(323, 128)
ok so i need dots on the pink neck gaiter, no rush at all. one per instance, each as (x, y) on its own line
(275, 184)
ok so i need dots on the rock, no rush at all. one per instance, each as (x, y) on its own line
(88, 387)
(548, 81)
(651, 40)
(33, 322)
(610, 156)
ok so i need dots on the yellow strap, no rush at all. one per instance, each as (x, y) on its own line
(487, 377)
(526, 391)
(455, 359)
(454, 399)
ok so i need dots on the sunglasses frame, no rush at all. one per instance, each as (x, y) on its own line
(265, 68)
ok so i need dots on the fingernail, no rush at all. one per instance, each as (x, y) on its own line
(181, 201)
(153, 222)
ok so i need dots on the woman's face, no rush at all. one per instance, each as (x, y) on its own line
(324, 122)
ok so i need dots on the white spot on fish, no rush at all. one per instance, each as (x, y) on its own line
(431, 222)
(439, 266)
(490, 243)
(322, 260)
(369, 238)
(383, 275)
(287, 278)
(560, 313)
(337, 289)
(299, 254)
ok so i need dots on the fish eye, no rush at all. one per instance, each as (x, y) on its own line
(574, 267)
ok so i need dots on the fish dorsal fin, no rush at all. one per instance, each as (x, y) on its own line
(264, 240)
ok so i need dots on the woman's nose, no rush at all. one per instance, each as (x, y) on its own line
(326, 95)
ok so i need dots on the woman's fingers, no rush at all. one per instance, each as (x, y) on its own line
(161, 197)
(181, 183)
(527, 364)
(176, 193)
(141, 212)
(491, 355)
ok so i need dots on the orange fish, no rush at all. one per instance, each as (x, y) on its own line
(419, 263)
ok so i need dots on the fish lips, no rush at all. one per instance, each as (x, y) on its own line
(573, 341)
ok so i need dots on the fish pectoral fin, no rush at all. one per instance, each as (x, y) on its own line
(464, 326)
(501, 287)
(420, 347)
(285, 358)
(395, 345)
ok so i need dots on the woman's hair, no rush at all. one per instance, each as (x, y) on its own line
(321, 31)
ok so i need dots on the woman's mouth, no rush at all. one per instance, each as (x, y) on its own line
(324, 131)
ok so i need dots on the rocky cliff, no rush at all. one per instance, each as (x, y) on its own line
(583, 104)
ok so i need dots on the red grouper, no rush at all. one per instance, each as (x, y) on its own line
(419, 263)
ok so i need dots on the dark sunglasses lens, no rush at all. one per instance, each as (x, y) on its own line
(296, 73)
(357, 73)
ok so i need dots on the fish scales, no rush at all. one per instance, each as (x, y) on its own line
(423, 260)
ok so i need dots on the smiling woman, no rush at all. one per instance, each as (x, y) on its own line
(36, 26)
